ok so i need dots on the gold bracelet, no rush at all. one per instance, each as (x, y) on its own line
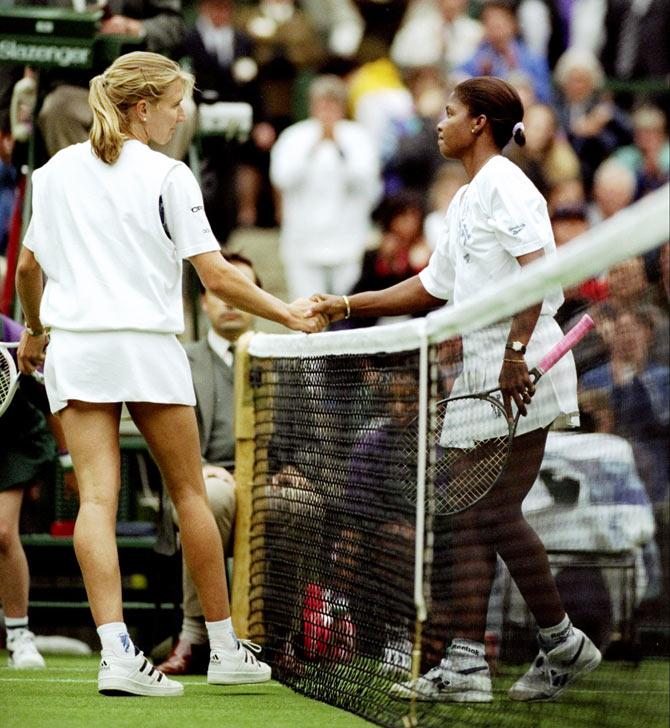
(348, 305)
(514, 361)
(36, 332)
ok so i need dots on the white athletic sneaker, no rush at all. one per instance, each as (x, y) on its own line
(23, 653)
(397, 657)
(134, 676)
(239, 667)
(552, 672)
(446, 683)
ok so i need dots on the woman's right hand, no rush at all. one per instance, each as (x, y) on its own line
(31, 352)
(303, 318)
(325, 304)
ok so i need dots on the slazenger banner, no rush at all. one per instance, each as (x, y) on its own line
(62, 55)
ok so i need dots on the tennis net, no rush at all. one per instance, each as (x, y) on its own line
(345, 565)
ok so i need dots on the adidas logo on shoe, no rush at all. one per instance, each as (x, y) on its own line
(237, 667)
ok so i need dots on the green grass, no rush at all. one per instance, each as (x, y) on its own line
(65, 696)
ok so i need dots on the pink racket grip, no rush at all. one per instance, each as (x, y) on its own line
(576, 334)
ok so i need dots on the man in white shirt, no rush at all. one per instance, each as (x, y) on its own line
(327, 170)
(212, 365)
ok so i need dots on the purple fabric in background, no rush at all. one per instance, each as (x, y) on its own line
(11, 330)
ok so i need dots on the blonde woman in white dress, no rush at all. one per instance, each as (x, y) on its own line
(112, 221)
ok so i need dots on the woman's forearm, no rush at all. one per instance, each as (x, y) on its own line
(30, 286)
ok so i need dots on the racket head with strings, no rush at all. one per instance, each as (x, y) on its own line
(469, 450)
(9, 379)
(10, 376)
(462, 467)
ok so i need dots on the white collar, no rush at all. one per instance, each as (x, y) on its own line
(220, 346)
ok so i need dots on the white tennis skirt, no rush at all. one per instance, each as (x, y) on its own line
(116, 366)
(555, 396)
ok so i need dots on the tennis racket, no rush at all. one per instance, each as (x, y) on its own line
(475, 439)
(10, 375)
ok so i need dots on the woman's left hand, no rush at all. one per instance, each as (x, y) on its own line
(515, 384)
(31, 352)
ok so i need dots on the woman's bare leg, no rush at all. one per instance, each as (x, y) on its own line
(171, 432)
(14, 575)
(92, 434)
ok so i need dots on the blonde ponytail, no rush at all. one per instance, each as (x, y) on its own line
(106, 134)
(132, 77)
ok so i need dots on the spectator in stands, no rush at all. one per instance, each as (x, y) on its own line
(649, 155)
(116, 342)
(328, 173)
(614, 187)
(502, 51)
(550, 27)
(402, 250)
(286, 46)
(640, 394)
(222, 59)
(287, 50)
(594, 124)
(65, 117)
(568, 223)
(437, 33)
(569, 193)
(414, 161)
(636, 34)
(212, 365)
(8, 181)
(495, 225)
(380, 100)
(339, 23)
(547, 158)
(30, 438)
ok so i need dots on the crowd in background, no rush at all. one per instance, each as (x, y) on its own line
(341, 154)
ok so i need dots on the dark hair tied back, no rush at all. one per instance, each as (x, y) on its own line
(499, 102)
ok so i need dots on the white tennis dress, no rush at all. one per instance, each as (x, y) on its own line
(111, 239)
(499, 216)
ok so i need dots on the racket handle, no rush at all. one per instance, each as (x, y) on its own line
(576, 334)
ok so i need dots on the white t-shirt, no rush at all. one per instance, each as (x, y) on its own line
(500, 215)
(99, 234)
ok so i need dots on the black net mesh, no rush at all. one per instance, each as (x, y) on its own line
(333, 527)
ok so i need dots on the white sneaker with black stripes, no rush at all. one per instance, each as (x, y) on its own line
(134, 676)
(448, 683)
(552, 672)
(237, 667)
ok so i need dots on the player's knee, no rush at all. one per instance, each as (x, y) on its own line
(9, 536)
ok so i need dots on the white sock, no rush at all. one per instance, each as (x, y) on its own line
(551, 637)
(222, 635)
(115, 639)
(15, 625)
(467, 653)
(193, 630)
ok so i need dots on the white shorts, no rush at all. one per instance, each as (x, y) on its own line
(116, 366)
(483, 351)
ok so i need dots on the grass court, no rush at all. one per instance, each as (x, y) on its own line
(65, 695)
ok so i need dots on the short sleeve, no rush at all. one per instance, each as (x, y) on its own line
(439, 275)
(34, 231)
(184, 210)
(519, 217)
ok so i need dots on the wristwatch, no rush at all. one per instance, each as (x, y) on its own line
(516, 346)
(36, 332)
